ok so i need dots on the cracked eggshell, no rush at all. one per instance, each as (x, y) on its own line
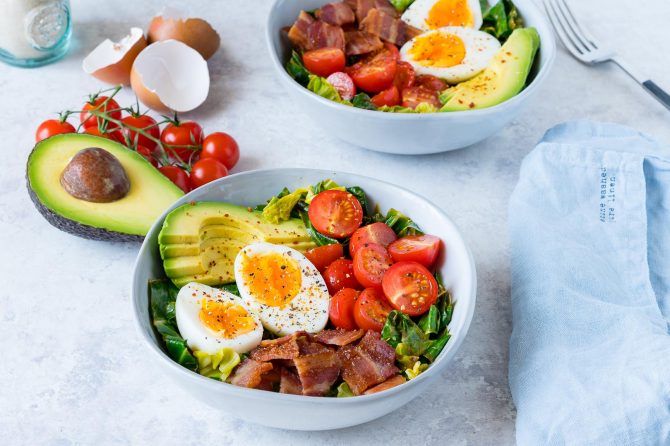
(170, 76)
(175, 24)
(111, 62)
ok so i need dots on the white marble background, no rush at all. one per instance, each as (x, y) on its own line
(73, 370)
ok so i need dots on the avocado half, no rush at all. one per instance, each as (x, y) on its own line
(127, 219)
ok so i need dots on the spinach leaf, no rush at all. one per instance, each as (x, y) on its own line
(362, 100)
(431, 321)
(297, 70)
(437, 345)
(315, 235)
(162, 297)
(412, 340)
(501, 19)
(344, 391)
(401, 224)
(361, 197)
(401, 5)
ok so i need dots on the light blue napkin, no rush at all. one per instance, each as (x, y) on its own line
(590, 233)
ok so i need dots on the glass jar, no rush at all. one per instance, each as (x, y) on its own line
(34, 32)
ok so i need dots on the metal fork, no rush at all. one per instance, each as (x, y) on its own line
(584, 47)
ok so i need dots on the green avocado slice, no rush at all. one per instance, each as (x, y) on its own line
(126, 219)
(199, 241)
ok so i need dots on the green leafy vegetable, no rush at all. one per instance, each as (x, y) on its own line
(416, 369)
(430, 322)
(316, 236)
(362, 100)
(218, 365)
(437, 345)
(162, 297)
(321, 186)
(344, 391)
(501, 19)
(323, 88)
(297, 70)
(360, 196)
(423, 107)
(412, 341)
(279, 208)
(401, 224)
(401, 5)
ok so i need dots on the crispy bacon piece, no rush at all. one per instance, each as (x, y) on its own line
(270, 380)
(387, 27)
(352, 4)
(281, 348)
(324, 35)
(290, 382)
(298, 32)
(360, 42)
(363, 7)
(336, 14)
(391, 382)
(318, 372)
(249, 373)
(338, 337)
(368, 363)
(308, 347)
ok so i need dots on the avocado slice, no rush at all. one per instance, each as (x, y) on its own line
(126, 219)
(199, 241)
(503, 79)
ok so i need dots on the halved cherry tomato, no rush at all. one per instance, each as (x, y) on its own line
(389, 97)
(322, 256)
(324, 61)
(207, 170)
(178, 176)
(413, 96)
(379, 233)
(431, 82)
(143, 122)
(335, 213)
(222, 147)
(376, 72)
(404, 76)
(371, 310)
(112, 134)
(341, 310)
(111, 107)
(395, 52)
(340, 274)
(423, 249)
(52, 127)
(370, 264)
(410, 288)
(344, 85)
(184, 133)
(147, 154)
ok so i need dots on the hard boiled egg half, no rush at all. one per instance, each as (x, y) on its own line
(284, 288)
(434, 14)
(211, 319)
(452, 53)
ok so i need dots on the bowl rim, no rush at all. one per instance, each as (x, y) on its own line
(547, 45)
(197, 379)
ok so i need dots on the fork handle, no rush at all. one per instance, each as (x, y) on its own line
(656, 91)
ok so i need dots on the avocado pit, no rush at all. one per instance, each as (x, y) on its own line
(93, 174)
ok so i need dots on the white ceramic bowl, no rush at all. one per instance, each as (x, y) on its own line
(302, 412)
(408, 134)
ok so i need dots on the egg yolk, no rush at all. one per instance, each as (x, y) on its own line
(226, 318)
(438, 50)
(273, 279)
(450, 13)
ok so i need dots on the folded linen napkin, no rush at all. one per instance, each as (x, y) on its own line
(590, 234)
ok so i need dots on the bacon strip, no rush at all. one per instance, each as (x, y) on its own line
(270, 380)
(389, 383)
(249, 373)
(336, 14)
(386, 26)
(338, 337)
(308, 347)
(363, 7)
(318, 372)
(290, 382)
(359, 42)
(298, 32)
(282, 348)
(369, 363)
(324, 35)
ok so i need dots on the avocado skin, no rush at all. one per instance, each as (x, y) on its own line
(78, 229)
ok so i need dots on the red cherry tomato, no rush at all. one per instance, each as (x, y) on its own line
(207, 170)
(112, 134)
(342, 308)
(404, 76)
(344, 85)
(413, 96)
(222, 147)
(371, 310)
(111, 107)
(185, 133)
(52, 127)
(389, 97)
(147, 154)
(431, 82)
(370, 264)
(423, 249)
(335, 213)
(322, 256)
(379, 233)
(395, 52)
(178, 176)
(340, 274)
(376, 72)
(410, 288)
(324, 61)
(143, 122)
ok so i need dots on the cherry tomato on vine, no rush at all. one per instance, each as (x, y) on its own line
(111, 107)
(322, 256)
(178, 176)
(52, 127)
(371, 310)
(341, 309)
(184, 133)
(146, 123)
(207, 170)
(147, 154)
(335, 213)
(112, 134)
(222, 147)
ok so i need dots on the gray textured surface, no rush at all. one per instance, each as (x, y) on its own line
(73, 371)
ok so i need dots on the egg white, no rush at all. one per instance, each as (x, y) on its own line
(200, 337)
(307, 311)
(417, 13)
(480, 48)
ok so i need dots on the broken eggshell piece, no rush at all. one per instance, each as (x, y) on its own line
(170, 76)
(111, 62)
(173, 23)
